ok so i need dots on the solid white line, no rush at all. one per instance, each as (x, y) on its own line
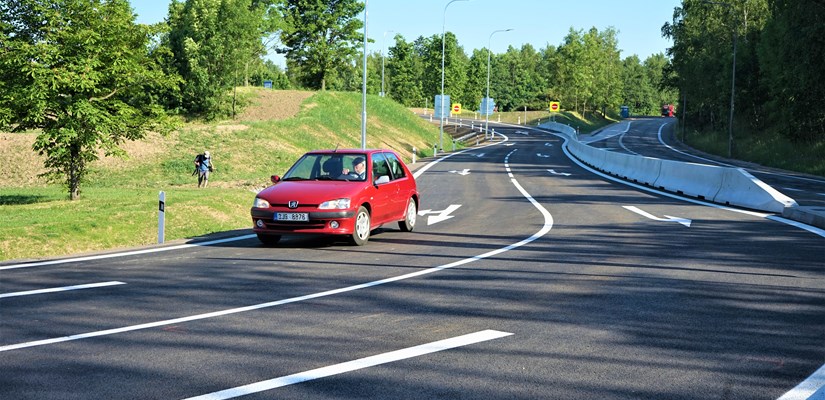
(812, 388)
(124, 254)
(61, 289)
(548, 224)
(354, 365)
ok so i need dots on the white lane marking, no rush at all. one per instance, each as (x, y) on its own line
(127, 253)
(548, 224)
(792, 189)
(812, 388)
(553, 171)
(465, 172)
(684, 221)
(61, 289)
(354, 365)
(440, 216)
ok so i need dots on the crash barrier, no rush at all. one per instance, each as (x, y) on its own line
(723, 185)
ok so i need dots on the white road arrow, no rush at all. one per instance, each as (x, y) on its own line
(479, 155)
(552, 171)
(523, 133)
(440, 216)
(542, 155)
(464, 172)
(510, 144)
(684, 221)
(549, 144)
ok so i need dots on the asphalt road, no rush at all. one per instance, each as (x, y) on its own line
(536, 278)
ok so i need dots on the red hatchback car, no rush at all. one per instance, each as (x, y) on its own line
(337, 192)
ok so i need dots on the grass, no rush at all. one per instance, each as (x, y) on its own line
(768, 150)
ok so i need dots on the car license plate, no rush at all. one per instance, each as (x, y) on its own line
(292, 216)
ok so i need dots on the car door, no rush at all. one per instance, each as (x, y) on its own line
(385, 192)
(400, 181)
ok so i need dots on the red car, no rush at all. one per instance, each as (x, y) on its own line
(337, 192)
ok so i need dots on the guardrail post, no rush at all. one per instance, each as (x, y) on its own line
(161, 217)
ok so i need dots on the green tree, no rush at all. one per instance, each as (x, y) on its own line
(321, 35)
(214, 42)
(793, 69)
(80, 71)
(405, 73)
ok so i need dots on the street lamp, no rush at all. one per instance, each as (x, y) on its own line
(732, 77)
(487, 102)
(383, 45)
(441, 109)
(364, 87)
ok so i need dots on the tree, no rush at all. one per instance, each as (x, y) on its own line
(78, 70)
(405, 73)
(214, 42)
(321, 35)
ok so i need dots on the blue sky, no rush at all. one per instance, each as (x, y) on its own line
(538, 22)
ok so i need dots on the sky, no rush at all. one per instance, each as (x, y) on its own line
(537, 22)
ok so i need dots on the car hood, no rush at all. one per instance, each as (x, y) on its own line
(310, 192)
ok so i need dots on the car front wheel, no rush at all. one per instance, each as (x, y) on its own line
(408, 224)
(361, 233)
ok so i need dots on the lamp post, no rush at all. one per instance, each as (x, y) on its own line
(364, 87)
(487, 103)
(732, 77)
(441, 109)
(383, 45)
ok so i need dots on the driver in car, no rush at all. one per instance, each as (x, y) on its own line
(359, 170)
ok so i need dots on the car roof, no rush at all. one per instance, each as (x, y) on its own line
(349, 151)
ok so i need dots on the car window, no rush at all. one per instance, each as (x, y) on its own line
(379, 166)
(395, 166)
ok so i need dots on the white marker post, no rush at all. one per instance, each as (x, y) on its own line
(413, 155)
(161, 216)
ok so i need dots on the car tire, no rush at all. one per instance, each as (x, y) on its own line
(269, 240)
(408, 223)
(361, 229)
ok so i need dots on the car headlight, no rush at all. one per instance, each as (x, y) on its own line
(337, 204)
(260, 203)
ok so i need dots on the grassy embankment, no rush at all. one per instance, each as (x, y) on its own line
(768, 150)
(119, 202)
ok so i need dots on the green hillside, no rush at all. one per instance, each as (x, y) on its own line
(118, 204)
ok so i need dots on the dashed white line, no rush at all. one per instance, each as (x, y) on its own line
(61, 289)
(354, 365)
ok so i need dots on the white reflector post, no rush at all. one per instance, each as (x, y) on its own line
(161, 216)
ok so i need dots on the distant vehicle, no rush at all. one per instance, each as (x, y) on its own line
(322, 194)
(667, 110)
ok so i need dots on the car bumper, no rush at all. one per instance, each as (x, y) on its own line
(263, 221)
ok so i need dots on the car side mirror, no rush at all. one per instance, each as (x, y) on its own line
(275, 178)
(382, 179)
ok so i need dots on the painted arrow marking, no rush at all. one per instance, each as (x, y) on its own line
(542, 155)
(523, 133)
(440, 216)
(552, 171)
(684, 221)
(509, 144)
(479, 155)
(464, 172)
(548, 144)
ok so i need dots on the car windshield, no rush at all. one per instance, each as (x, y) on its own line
(334, 166)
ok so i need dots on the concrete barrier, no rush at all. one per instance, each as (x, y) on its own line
(740, 188)
(723, 185)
